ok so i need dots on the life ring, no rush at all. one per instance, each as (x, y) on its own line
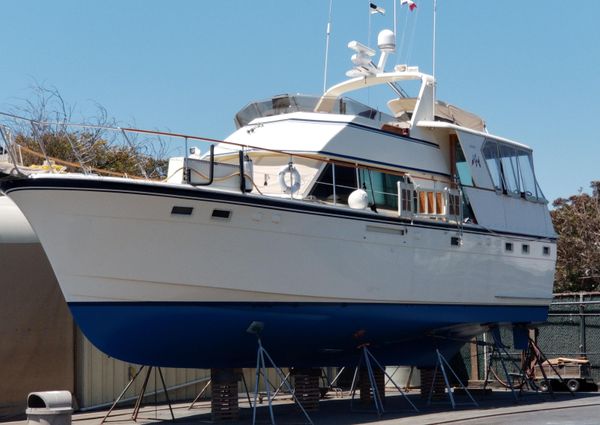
(295, 179)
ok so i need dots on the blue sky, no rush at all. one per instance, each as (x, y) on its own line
(531, 69)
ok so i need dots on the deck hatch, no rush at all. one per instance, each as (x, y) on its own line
(182, 210)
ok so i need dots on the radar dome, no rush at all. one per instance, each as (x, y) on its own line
(386, 41)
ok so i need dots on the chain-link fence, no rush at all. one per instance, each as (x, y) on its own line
(572, 331)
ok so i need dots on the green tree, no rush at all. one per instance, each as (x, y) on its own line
(577, 223)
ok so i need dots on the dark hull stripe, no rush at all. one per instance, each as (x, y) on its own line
(302, 207)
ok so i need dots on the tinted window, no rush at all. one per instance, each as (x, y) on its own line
(462, 168)
(345, 183)
(490, 153)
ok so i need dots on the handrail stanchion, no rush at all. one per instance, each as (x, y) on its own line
(9, 147)
(242, 175)
(186, 169)
(211, 169)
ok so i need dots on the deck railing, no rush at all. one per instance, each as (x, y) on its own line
(234, 169)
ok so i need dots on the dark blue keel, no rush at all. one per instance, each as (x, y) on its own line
(205, 335)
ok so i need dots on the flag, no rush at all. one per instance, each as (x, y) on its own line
(376, 9)
(411, 4)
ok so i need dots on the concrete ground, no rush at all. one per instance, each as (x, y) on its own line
(496, 408)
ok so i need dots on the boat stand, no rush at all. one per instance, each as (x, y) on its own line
(261, 370)
(200, 394)
(500, 352)
(331, 384)
(138, 403)
(366, 360)
(441, 365)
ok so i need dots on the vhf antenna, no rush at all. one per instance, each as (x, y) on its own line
(327, 37)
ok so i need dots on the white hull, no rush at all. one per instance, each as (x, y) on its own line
(120, 246)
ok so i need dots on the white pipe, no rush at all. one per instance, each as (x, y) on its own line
(433, 54)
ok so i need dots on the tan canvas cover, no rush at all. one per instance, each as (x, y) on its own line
(400, 107)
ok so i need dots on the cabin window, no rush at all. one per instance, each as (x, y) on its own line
(546, 250)
(382, 188)
(490, 153)
(508, 246)
(528, 186)
(463, 168)
(345, 184)
(510, 170)
(525, 249)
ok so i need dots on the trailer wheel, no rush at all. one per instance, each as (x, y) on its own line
(544, 386)
(573, 384)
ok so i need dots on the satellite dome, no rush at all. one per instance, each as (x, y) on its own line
(386, 41)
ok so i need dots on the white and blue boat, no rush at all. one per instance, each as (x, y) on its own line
(332, 223)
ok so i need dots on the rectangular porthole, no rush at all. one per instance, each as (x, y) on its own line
(182, 210)
(525, 249)
(508, 246)
(221, 214)
(546, 250)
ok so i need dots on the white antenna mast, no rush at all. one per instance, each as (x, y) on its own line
(395, 19)
(433, 59)
(327, 37)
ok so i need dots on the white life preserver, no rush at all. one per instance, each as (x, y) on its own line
(295, 180)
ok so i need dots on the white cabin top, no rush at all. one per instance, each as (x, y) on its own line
(421, 159)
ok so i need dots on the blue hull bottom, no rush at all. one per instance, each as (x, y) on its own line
(205, 335)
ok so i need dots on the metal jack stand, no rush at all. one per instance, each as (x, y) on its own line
(499, 349)
(261, 369)
(366, 358)
(138, 403)
(442, 364)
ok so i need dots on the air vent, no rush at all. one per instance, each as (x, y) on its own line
(182, 210)
(221, 214)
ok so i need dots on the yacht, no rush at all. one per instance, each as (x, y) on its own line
(327, 222)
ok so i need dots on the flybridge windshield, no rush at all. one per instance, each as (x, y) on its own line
(511, 169)
(286, 104)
